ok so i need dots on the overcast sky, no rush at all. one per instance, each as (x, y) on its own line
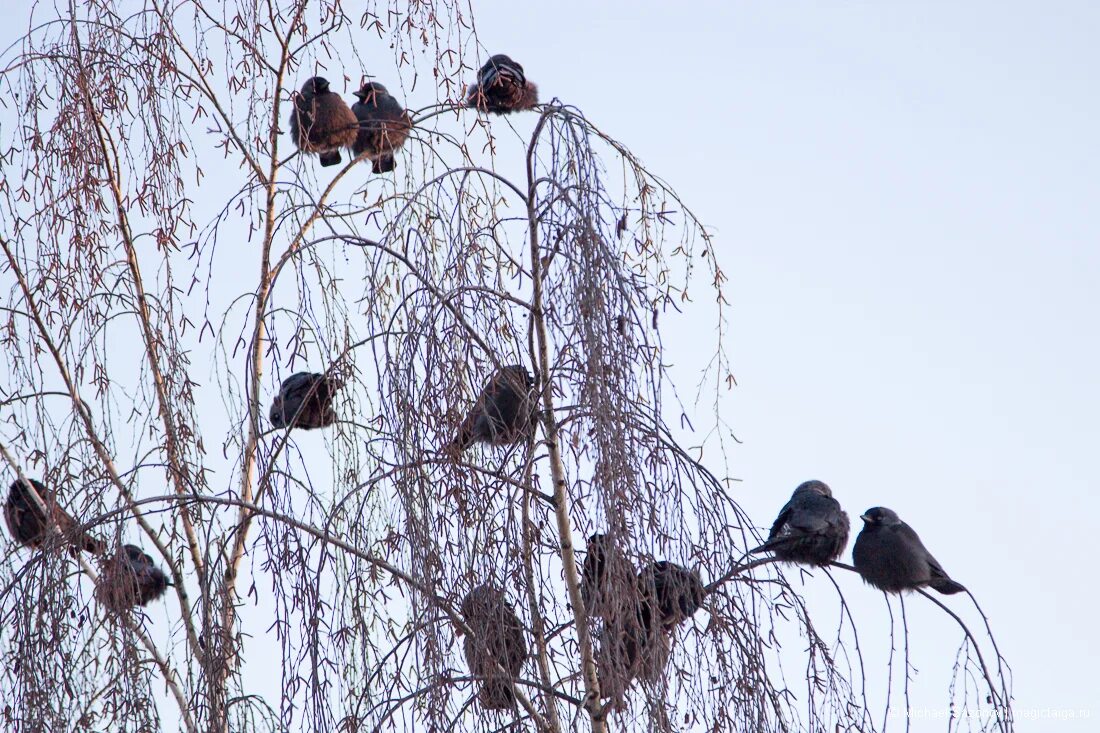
(904, 197)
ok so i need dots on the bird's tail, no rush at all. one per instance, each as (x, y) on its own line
(331, 157)
(947, 586)
(766, 547)
(463, 439)
(502, 72)
(383, 163)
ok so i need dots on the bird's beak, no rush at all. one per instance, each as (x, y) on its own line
(865, 518)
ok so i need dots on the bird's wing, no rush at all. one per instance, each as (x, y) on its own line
(910, 537)
(497, 72)
(935, 568)
(780, 523)
(806, 520)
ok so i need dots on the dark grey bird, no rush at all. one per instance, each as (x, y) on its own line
(632, 645)
(29, 527)
(497, 640)
(502, 88)
(305, 401)
(383, 126)
(504, 412)
(129, 579)
(810, 529)
(321, 122)
(607, 578)
(674, 592)
(890, 556)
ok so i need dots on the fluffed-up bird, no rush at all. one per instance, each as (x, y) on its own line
(305, 401)
(497, 639)
(504, 412)
(607, 578)
(129, 579)
(502, 88)
(674, 592)
(632, 645)
(810, 529)
(890, 556)
(383, 126)
(321, 122)
(29, 527)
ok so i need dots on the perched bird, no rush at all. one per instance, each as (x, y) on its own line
(501, 88)
(131, 578)
(811, 528)
(607, 577)
(305, 401)
(497, 638)
(27, 523)
(383, 126)
(321, 122)
(504, 412)
(890, 556)
(674, 592)
(632, 646)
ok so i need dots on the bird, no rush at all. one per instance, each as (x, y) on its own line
(501, 88)
(504, 413)
(890, 556)
(305, 401)
(497, 638)
(28, 526)
(321, 122)
(383, 126)
(129, 579)
(605, 575)
(674, 592)
(639, 612)
(632, 645)
(810, 529)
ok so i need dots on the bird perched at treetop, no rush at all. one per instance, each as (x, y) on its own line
(501, 88)
(504, 412)
(890, 556)
(383, 126)
(810, 529)
(321, 122)
(305, 401)
(497, 640)
(607, 577)
(28, 524)
(675, 592)
(129, 579)
(632, 645)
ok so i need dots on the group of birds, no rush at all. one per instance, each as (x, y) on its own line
(812, 529)
(322, 123)
(505, 413)
(128, 578)
(639, 611)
